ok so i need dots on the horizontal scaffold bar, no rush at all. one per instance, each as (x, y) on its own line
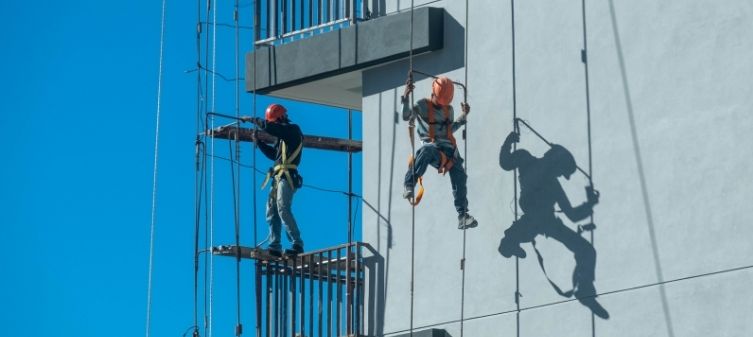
(316, 142)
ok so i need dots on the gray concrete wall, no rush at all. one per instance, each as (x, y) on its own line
(674, 226)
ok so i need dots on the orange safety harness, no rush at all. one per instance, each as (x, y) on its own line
(445, 163)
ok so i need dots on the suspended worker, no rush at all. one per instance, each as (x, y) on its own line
(284, 176)
(539, 191)
(436, 125)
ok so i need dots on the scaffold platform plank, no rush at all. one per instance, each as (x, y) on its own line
(315, 142)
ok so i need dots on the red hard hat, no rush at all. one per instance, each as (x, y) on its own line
(443, 90)
(275, 112)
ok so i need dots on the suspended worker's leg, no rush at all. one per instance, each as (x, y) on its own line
(520, 231)
(284, 207)
(585, 265)
(459, 181)
(425, 156)
(274, 221)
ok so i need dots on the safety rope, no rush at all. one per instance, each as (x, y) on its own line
(207, 234)
(154, 173)
(237, 194)
(584, 59)
(257, 280)
(411, 126)
(465, 168)
(515, 171)
(197, 177)
(212, 170)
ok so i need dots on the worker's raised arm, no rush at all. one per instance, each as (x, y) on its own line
(405, 100)
(463, 118)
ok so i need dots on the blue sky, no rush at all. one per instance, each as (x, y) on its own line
(78, 116)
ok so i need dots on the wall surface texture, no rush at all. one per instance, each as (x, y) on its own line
(671, 96)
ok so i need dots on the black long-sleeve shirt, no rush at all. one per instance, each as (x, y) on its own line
(285, 132)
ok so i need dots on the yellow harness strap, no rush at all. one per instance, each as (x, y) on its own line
(445, 163)
(284, 167)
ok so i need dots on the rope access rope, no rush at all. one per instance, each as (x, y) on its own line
(584, 59)
(197, 177)
(411, 125)
(211, 203)
(465, 167)
(154, 173)
(257, 279)
(237, 197)
(515, 171)
(207, 234)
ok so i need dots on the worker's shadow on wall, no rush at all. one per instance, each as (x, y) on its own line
(449, 58)
(540, 190)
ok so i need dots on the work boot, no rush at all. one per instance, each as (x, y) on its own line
(274, 251)
(295, 250)
(466, 221)
(507, 248)
(408, 193)
(586, 295)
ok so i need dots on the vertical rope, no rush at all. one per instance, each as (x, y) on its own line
(236, 194)
(257, 279)
(211, 217)
(584, 59)
(465, 167)
(197, 179)
(154, 173)
(413, 167)
(515, 171)
(207, 234)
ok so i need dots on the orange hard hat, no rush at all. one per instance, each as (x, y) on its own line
(443, 90)
(275, 112)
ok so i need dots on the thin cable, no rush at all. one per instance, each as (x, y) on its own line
(154, 173)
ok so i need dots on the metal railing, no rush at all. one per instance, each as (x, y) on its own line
(320, 293)
(280, 20)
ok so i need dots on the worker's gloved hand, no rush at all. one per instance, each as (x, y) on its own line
(408, 87)
(513, 137)
(592, 195)
(465, 107)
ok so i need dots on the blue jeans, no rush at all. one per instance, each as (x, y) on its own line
(279, 206)
(429, 155)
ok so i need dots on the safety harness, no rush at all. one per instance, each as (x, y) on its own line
(285, 165)
(445, 163)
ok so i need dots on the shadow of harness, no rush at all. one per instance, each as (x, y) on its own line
(445, 162)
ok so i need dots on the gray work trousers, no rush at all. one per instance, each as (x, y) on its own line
(279, 206)
(429, 155)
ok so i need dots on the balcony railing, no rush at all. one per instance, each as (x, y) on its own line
(316, 294)
(279, 21)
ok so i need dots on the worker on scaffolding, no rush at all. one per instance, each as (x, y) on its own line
(436, 125)
(286, 154)
(539, 191)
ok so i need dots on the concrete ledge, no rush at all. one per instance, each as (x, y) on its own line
(341, 52)
(426, 333)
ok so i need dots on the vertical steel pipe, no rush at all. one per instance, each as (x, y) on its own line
(329, 293)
